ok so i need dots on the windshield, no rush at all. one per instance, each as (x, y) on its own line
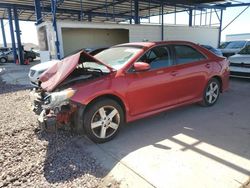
(117, 57)
(245, 50)
(235, 44)
(223, 45)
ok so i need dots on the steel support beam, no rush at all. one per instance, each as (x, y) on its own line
(235, 18)
(53, 11)
(18, 37)
(90, 17)
(61, 10)
(162, 21)
(136, 12)
(38, 11)
(13, 42)
(190, 23)
(220, 28)
(3, 34)
(228, 5)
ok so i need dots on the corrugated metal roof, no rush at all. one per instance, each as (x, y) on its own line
(102, 10)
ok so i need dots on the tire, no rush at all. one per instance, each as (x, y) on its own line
(103, 120)
(3, 60)
(211, 93)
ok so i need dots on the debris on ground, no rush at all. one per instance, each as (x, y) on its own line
(31, 158)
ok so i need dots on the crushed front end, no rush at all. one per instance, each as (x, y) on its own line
(51, 99)
(55, 110)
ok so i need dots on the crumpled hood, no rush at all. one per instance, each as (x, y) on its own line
(61, 70)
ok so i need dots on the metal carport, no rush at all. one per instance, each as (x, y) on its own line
(116, 11)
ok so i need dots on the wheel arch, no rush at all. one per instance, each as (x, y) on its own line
(220, 81)
(113, 97)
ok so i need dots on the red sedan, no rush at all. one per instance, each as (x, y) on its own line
(128, 82)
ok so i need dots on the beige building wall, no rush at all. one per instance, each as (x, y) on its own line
(78, 38)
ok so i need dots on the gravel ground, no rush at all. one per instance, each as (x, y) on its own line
(32, 158)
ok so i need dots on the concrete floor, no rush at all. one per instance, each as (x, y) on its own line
(16, 74)
(190, 146)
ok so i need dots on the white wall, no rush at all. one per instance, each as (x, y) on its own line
(78, 38)
(201, 35)
(138, 33)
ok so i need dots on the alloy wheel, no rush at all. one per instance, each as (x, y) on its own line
(105, 122)
(212, 92)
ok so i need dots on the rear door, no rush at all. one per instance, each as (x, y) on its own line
(192, 71)
(153, 89)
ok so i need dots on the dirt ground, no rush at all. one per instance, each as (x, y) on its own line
(31, 158)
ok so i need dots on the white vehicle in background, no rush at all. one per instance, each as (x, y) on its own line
(37, 70)
(233, 47)
(240, 63)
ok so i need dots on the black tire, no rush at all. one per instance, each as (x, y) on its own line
(93, 115)
(3, 60)
(210, 97)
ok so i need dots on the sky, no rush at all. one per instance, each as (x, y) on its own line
(240, 25)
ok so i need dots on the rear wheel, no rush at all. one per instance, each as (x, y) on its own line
(211, 93)
(102, 120)
(3, 60)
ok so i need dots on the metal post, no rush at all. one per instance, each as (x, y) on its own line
(136, 15)
(162, 21)
(38, 11)
(18, 38)
(89, 17)
(81, 15)
(53, 11)
(190, 18)
(12, 35)
(194, 16)
(3, 34)
(201, 17)
(220, 29)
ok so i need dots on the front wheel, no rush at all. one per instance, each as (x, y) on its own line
(211, 93)
(102, 120)
(3, 60)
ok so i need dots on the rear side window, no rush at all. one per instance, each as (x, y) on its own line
(186, 54)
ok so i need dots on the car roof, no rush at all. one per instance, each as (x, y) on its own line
(150, 44)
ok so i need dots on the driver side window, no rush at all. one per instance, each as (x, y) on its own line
(158, 57)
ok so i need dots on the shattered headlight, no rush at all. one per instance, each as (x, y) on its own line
(58, 99)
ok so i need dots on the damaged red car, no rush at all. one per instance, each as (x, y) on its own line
(98, 94)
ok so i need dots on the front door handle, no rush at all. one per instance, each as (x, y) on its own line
(208, 65)
(174, 73)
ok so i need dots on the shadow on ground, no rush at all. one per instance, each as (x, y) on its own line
(67, 159)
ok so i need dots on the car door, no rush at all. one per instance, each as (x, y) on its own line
(151, 90)
(10, 56)
(192, 71)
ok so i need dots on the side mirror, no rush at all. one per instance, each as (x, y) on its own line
(141, 66)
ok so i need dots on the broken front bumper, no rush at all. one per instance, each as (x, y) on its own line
(66, 115)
